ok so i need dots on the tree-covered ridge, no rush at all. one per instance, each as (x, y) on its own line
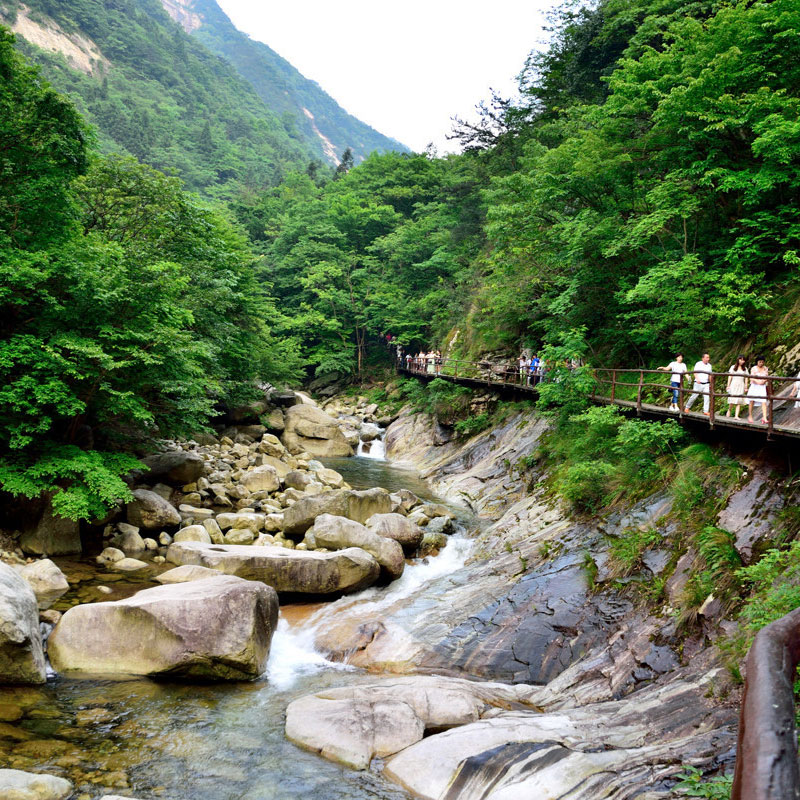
(643, 190)
(165, 99)
(129, 309)
(284, 90)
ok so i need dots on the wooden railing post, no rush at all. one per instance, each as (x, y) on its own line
(613, 384)
(639, 394)
(681, 398)
(770, 408)
(711, 399)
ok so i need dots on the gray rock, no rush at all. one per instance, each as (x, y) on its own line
(286, 570)
(129, 565)
(193, 533)
(337, 533)
(397, 527)
(52, 535)
(440, 525)
(218, 628)
(310, 429)
(21, 655)
(198, 514)
(128, 539)
(110, 555)
(18, 785)
(358, 506)
(176, 467)
(151, 511)
(241, 521)
(185, 574)
(214, 531)
(261, 479)
(46, 579)
(298, 479)
(239, 536)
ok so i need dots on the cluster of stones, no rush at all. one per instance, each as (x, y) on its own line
(248, 516)
(359, 420)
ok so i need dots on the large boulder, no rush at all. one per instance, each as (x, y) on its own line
(21, 655)
(46, 579)
(337, 533)
(18, 785)
(176, 467)
(151, 511)
(193, 533)
(397, 527)
(296, 571)
(358, 506)
(52, 535)
(219, 628)
(310, 429)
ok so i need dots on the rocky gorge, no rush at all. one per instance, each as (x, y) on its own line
(530, 670)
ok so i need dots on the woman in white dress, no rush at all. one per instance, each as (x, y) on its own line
(757, 393)
(737, 386)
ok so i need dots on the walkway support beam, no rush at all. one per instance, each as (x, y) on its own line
(766, 754)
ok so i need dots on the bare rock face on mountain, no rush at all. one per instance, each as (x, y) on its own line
(219, 628)
(21, 655)
(285, 570)
(310, 429)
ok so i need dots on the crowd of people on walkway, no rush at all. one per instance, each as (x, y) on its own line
(744, 385)
(430, 362)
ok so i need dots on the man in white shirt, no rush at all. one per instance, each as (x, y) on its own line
(701, 372)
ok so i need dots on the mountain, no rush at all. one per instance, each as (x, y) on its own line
(160, 94)
(319, 118)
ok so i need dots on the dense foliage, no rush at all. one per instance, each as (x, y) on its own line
(127, 309)
(642, 191)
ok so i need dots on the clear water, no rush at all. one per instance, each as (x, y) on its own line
(218, 741)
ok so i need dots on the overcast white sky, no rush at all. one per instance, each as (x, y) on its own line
(403, 67)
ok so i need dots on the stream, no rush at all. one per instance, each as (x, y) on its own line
(218, 741)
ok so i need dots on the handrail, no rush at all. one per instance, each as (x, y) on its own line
(527, 380)
(766, 752)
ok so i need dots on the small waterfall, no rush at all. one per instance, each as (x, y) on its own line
(374, 449)
(292, 655)
(377, 600)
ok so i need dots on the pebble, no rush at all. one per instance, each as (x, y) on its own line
(104, 589)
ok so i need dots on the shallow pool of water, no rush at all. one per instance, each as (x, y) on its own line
(218, 741)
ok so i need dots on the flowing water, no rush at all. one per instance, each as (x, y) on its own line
(218, 741)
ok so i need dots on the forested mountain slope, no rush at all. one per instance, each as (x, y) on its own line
(155, 92)
(325, 125)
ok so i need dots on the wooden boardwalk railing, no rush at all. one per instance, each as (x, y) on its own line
(643, 390)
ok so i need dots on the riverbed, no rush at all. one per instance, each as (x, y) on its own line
(218, 741)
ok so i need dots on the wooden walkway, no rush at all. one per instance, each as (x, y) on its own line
(783, 424)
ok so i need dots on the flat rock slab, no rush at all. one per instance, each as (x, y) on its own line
(351, 725)
(18, 785)
(186, 573)
(219, 628)
(300, 571)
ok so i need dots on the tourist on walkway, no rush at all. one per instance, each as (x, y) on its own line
(702, 370)
(431, 358)
(536, 363)
(438, 359)
(737, 386)
(678, 369)
(757, 393)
